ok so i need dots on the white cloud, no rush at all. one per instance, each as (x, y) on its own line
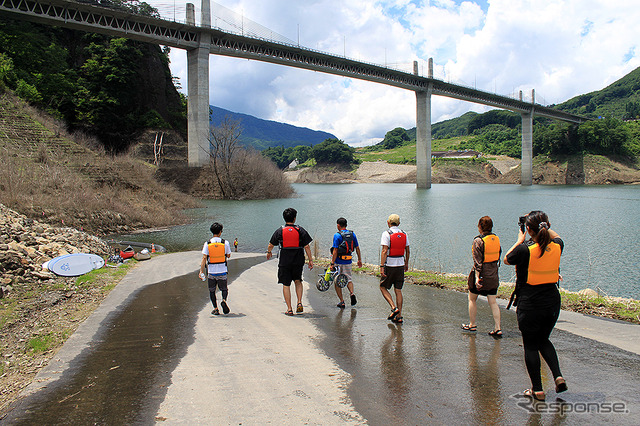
(560, 48)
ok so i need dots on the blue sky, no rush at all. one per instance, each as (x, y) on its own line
(560, 48)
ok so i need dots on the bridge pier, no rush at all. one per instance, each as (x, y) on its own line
(526, 165)
(198, 125)
(423, 136)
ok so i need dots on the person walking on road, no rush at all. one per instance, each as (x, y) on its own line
(215, 253)
(537, 297)
(293, 241)
(483, 279)
(344, 243)
(394, 262)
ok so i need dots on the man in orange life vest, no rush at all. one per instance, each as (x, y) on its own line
(293, 241)
(394, 262)
(215, 253)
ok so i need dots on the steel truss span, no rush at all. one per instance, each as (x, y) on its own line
(92, 17)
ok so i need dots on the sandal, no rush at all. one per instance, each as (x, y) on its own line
(225, 307)
(289, 313)
(496, 333)
(469, 327)
(215, 312)
(394, 313)
(537, 395)
(299, 308)
(340, 305)
(561, 384)
(398, 320)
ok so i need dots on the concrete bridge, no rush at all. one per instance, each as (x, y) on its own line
(202, 40)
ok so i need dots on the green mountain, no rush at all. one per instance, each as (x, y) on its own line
(262, 134)
(620, 99)
(110, 88)
(615, 129)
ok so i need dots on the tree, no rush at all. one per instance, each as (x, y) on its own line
(240, 173)
(223, 145)
(394, 138)
(333, 151)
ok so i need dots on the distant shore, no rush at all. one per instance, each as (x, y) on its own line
(580, 170)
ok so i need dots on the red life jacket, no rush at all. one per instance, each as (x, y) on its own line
(291, 237)
(397, 243)
(217, 252)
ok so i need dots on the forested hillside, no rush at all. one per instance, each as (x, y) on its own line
(613, 130)
(620, 100)
(111, 88)
(261, 134)
(114, 88)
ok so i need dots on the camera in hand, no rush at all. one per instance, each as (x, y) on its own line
(521, 222)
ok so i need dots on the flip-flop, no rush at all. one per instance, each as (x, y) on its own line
(394, 313)
(225, 308)
(496, 333)
(215, 312)
(469, 327)
(561, 385)
(537, 395)
(398, 320)
(289, 313)
(340, 305)
(299, 308)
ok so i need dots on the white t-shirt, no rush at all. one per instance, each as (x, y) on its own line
(216, 268)
(386, 241)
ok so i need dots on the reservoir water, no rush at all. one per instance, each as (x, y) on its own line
(599, 225)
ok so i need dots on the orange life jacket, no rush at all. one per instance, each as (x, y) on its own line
(491, 248)
(545, 269)
(291, 237)
(217, 252)
(397, 243)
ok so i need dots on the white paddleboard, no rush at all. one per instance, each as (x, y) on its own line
(72, 265)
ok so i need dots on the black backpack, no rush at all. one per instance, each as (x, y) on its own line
(346, 246)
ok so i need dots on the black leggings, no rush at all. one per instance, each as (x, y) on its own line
(222, 285)
(536, 326)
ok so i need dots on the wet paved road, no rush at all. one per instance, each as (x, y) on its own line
(429, 371)
(137, 370)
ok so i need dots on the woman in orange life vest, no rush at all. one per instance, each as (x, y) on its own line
(483, 279)
(537, 263)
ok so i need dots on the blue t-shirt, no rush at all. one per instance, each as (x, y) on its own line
(337, 240)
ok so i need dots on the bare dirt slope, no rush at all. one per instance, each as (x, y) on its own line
(577, 170)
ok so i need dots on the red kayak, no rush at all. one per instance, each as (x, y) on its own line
(127, 253)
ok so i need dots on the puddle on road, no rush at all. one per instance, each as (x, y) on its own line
(123, 377)
(429, 371)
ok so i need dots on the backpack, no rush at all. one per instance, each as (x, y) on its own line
(346, 246)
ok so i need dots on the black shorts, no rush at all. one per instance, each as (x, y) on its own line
(493, 292)
(395, 277)
(289, 273)
(220, 282)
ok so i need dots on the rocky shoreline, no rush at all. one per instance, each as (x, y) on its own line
(38, 309)
(25, 244)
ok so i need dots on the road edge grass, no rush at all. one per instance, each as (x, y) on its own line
(618, 308)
